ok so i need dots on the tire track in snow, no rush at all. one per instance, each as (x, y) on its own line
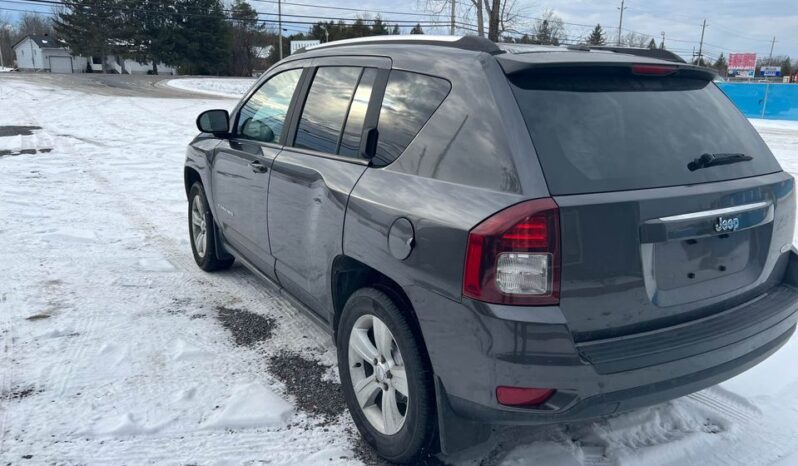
(77, 347)
(726, 404)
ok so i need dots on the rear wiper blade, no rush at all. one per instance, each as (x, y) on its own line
(710, 160)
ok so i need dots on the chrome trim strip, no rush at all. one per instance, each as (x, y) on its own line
(716, 212)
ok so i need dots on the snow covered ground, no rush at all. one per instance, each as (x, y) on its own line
(224, 87)
(116, 349)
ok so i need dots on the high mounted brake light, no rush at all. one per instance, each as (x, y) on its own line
(513, 257)
(653, 70)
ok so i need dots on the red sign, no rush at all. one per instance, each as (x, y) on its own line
(742, 61)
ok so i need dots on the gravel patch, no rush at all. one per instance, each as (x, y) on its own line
(303, 379)
(17, 130)
(19, 393)
(247, 327)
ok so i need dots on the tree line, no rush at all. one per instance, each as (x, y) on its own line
(205, 37)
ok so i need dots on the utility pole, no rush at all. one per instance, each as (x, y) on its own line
(454, 9)
(701, 44)
(772, 43)
(620, 23)
(280, 27)
(662, 44)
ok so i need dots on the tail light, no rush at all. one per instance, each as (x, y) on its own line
(513, 257)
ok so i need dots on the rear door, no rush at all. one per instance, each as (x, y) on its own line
(650, 240)
(313, 176)
(240, 169)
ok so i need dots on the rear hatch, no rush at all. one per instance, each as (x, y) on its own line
(653, 235)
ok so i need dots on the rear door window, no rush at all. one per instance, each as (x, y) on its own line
(410, 100)
(326, 108)
(613, 132)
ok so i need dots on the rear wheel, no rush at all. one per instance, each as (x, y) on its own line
(202, 232)
(386, 379)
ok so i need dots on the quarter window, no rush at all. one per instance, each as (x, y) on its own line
(326, 108)
(410, 100)
(263, 116)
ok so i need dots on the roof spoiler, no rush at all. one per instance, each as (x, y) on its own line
(660, 54)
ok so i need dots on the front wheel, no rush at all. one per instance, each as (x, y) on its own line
(202, 232)
(386, 379)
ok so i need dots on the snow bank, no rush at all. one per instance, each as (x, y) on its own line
(224, 87)
(251, 405)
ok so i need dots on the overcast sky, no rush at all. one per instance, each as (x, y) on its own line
(732, 25)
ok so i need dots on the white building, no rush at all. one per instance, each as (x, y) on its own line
(44, 53)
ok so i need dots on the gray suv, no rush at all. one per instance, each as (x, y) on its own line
(502, 234)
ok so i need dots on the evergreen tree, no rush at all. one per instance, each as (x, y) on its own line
(202, 36)
(378, 28)
(652, 44)
(91, 27)
(417, 29)
(597, 36)
(244, 34)
(395, 31)
(359, 28)
(721, 65)
(147, 32)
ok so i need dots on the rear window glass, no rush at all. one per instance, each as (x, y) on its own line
(410, 100)
(325, 108)
(599, 132)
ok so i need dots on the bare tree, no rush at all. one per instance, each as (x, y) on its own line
(635, 39)
(33, 24)
(7, 39)
(550, 29)
(502, 15)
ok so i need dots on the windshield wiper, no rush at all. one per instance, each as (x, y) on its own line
(710, 160)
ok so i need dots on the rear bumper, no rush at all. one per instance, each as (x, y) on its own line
(473, 350)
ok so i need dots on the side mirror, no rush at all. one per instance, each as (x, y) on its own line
(214, 121)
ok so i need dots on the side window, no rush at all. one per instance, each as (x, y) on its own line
(326, 108)
(353, 130)
(263, 116)
(410, 100)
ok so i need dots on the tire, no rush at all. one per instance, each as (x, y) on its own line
(406, 439)
(202, 232)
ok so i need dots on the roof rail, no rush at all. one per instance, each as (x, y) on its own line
(661, 54)
(472, 43)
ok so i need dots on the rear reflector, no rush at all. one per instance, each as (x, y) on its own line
(653, 70)
(517, 396)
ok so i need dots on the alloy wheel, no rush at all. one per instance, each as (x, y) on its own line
(378, 374)
(199, 229)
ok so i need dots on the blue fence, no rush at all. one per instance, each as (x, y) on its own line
(764, 100)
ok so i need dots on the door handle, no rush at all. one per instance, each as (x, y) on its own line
(258, 167)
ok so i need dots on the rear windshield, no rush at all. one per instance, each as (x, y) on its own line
(615, 132)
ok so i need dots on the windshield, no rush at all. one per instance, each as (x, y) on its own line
(603, 132)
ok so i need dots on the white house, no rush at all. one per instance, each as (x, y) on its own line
(45, 53)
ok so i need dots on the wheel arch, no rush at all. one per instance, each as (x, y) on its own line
(350, 275)
(190, 176)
